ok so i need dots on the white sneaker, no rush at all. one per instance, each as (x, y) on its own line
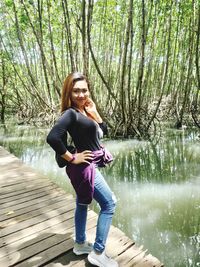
(101, 260)
(84, 248)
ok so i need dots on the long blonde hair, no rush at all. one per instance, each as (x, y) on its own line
(67, 88)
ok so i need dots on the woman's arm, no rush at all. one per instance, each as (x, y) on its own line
(57, 136)
(91, 109)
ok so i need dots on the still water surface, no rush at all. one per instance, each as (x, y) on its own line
(157, 185)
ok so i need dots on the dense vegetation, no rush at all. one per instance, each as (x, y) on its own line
(141, 57)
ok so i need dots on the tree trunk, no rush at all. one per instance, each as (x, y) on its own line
(39, 38)
(19, 35)
(141, 68)
(187, 82)
(92, 53)
(123, 95)
(3, 91)
(197, 55)
(56, 72)
(85, 53)
(165, 70)
(69, 35)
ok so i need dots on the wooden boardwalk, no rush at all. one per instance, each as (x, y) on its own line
(36, 223)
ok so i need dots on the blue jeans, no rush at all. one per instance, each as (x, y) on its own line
(107, 201)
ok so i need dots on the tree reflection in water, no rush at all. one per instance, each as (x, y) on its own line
(159, 205)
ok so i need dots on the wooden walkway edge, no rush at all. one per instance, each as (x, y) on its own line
(37, 223)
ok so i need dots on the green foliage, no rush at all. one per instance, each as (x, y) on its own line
(23, 19)
(40, 51)
(9, 3)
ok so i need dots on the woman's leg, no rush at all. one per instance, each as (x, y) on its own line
(107, 201)
(81, 246)
(80, 222)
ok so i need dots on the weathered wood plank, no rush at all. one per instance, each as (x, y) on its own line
(149, 261)
(48, 247)
(5, 262)
(38, 219)
(36, 228)
(31, 202)
(26, 185)
(54, 248)
(23, 191)
(12, 175)
(68, 259)
(127, 256)
(48, 224)
(34, 207)
(65, 227)
(26, 199)
(35, 212)
(3, 251)
(117, 242)
(34, 239)
(21, 197)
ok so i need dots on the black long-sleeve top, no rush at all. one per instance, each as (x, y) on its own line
(83, 131)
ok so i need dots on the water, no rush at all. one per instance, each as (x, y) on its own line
(157, 185)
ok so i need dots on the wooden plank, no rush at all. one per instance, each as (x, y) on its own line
(39, 227)
(117, 242)
(28, 186)
(11, 182)
(12, 175)
(8, 200)
(53, 249)
(4, 262)
(36, 228)
(34, 252)
(37, 259)
(26, 199)
(61, 228)
(30, 202)
(8, 234)
(25, 185)
(139, 258)
(9, 160)
(40, 218)
(47, 248)
(33, 213)
(68, 259)
(19, 174)
(3, 251)
(149, 261)
(31, 208)
(23, 191)
(18, 167)
(19, 198)
(34, 238)
(131, 253)
(15, 178)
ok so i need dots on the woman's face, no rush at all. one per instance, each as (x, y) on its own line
(80, 94)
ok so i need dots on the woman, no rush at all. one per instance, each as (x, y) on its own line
(82, 121)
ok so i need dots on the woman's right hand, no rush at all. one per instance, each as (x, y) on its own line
(83, 157)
